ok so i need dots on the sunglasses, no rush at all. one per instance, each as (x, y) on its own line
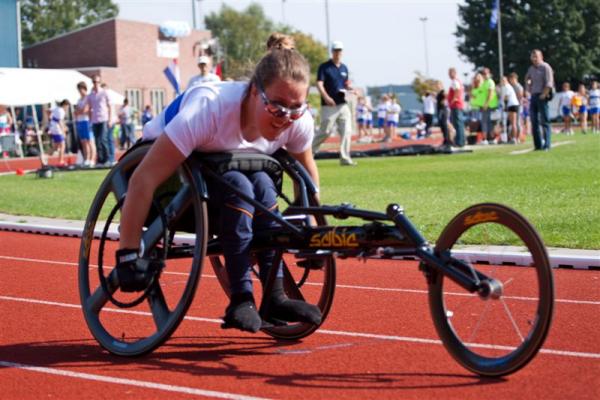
(279, 111)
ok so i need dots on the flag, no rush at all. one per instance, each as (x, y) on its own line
(494, 16)
(172, 74)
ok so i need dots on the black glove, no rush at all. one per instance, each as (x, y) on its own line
(133, 272)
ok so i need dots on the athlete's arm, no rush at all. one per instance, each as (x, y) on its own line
(308, 161)
(162, 160)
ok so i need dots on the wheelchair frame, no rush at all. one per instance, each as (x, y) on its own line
(313, 244)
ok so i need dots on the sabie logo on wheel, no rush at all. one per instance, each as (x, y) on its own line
(333, 239)
(481, 216)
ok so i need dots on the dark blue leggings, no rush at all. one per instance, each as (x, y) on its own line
(238, 220)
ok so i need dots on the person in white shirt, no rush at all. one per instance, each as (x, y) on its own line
(510, 101)
(564, 107)
(594, 101)
(260, 116)
(391, 119)
(205, 75)
(58, 129)
(428, 111)
(382, 108)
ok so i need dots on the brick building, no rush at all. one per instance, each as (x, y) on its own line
(129, 56)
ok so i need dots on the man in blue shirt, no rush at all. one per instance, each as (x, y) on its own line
(333, 85)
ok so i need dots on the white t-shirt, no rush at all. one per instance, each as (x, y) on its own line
(207, 118)
(393, 112)
(57, 115)
(382, 109)
(595, 98)
(428, 104)
(564, 98)
(80, 107)
(508, 92)
(198, 79)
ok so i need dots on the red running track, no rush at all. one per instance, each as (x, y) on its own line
(369, 347)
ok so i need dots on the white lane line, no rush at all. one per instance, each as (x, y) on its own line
(337, 286)
(129, 382)
(516, 152)
(409, 339)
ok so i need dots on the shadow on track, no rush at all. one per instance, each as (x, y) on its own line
(196, 356)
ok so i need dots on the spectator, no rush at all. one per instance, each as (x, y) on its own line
(382, 107)
(580, 104)
(362, 113)
(333, 83)
(369, 116)
(205, 75)
(513, 79)
(525, 114)
(594, 101)
(511, 105)
(456, 94)
(100, 117)
(565, 99)
(489, 105)
(147, 115)
(428, 111)
(84, 132)
(392, 119)
(58, 130)
(5, 120)
(280, 41)
(477, 99)
(540, 82)
(126, 120)
(442, 113)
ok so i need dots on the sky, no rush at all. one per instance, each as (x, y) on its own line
(384, 40)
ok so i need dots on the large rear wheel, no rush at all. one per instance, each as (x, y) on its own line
(132, 324)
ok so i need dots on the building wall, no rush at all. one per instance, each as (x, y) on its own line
(124, 53)
(9, 34)
(89, 47)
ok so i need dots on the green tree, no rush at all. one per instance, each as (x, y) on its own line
(567, 32)
(422, 85)
(243, 37)
(44, 19)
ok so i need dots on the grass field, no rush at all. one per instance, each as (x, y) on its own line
(558, 191)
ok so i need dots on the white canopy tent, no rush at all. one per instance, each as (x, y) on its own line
(32, 86)
(28, 86)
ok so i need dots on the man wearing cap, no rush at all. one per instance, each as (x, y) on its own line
(205, 75)
(333, 84)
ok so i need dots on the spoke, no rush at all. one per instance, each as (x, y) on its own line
(119, 184)
(483, 314)
(98, 299)
(158, 306)
(512, 320)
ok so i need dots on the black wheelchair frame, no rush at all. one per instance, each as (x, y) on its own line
(387, 235)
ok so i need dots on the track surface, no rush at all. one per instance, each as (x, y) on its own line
(378, 341)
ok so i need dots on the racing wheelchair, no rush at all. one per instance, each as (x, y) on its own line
(489, 281)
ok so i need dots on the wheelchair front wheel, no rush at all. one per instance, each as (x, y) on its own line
(493, 335)
(144, 325)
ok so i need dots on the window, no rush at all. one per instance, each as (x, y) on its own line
(134, 96)
(157, 100)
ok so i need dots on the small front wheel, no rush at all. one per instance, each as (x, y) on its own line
(493, 335)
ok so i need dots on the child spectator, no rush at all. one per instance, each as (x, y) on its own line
(580, 102)
(510, 101)
(428, 111)
(564, 107)
(58, 130)
(382, 107)
(392, 119)
(595, 107)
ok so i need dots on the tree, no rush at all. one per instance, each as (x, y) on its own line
(567, 32)
(421, 85)
(243, 36)
(44, 19)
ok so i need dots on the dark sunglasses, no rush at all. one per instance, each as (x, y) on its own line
(279, 111)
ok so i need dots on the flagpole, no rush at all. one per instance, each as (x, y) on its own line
(501, 70)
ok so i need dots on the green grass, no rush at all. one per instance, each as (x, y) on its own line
(558, 191)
